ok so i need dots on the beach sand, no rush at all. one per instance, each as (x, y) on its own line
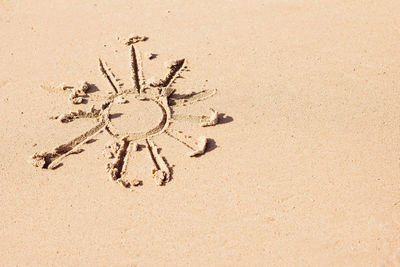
(301, 170)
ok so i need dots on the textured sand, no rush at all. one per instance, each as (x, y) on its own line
(302, 169)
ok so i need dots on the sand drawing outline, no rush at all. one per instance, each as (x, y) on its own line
(118, 150)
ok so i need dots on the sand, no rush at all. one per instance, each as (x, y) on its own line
(260, 133)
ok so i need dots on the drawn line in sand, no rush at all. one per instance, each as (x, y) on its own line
(107, 76)
(161, 173)
(202, 120)
(76, 95)
(135, 70)
(182, 100)
(197, 146)
(119, 151)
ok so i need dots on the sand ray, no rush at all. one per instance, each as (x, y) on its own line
(175, 68)
(161, 173)
(135, 70)
(142, 79)
(197, 146)
(50, 160)
(107, 76)
(202, 120)
(117, 169)
(80, 114)
(116, 80)
(181, 100)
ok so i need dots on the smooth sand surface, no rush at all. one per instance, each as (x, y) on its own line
(302, 170)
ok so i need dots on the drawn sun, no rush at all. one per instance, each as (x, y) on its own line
(159, 95)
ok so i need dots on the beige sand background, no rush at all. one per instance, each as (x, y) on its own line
(306, 173)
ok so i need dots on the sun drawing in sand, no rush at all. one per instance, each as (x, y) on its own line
(159, 94)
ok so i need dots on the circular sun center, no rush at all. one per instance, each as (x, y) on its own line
(136, 116)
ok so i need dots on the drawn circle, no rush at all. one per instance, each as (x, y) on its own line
(136, 116)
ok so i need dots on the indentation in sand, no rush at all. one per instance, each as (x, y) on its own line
(132, 116)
